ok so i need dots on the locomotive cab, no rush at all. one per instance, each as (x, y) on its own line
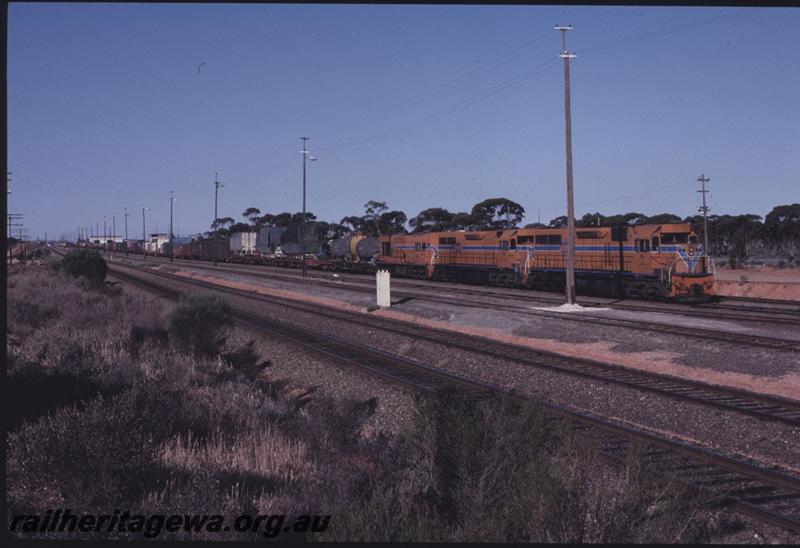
(690, 272)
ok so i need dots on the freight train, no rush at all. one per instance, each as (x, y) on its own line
(657, 261)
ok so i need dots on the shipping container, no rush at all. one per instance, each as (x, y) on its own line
(242, 243)
(217, 249)
(290, 239)
(269, 239)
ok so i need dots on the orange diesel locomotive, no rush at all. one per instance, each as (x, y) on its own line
(653, 261)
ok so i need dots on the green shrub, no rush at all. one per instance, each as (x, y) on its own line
(500, 471)
(198, 324)
(87, 263)
(246, 360)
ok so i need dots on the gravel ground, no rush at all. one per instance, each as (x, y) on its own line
(728, 432)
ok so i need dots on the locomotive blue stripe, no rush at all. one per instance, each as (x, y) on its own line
(690, 262)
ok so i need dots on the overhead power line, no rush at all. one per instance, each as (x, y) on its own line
(668, 30)
(485, 94)
(499, 60)
(496, 61)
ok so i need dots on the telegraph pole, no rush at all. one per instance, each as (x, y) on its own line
(303, 220)
(14, 220)
(113, 234)
(144, 234)
(105, 235)
(566, 56)
(126, 231)
(171, 201)
(217, 184)
(704, 210)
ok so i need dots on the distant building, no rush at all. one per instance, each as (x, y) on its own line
(100, 240)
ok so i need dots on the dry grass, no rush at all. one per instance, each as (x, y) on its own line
(266, 453)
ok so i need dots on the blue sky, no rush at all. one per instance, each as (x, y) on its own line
(110, 105)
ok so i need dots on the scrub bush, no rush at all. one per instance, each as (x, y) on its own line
(199, 323)
(87, 263)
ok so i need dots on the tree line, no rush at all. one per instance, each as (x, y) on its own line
(737, 236)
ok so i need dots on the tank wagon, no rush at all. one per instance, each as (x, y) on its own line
(650, 261)
(353, 252)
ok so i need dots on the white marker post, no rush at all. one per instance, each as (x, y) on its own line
(382, 284)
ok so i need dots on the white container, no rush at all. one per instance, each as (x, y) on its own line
(243, 243)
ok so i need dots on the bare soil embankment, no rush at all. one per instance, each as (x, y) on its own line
(760, 283)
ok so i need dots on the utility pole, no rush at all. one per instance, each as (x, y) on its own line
(97, 229)
(8, 187)
(306, 157)
(217, 184)
(113, 234)
(105, 235)
(171, 201)
(126, 231)
(704, 210)
(303, 220)
(14, 220)
(144, 234)
(566, 56)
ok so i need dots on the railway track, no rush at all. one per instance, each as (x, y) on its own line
(762, 492)
(457, 295)
(762, 406)
(767, 311)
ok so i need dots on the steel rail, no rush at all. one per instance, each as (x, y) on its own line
(765, 407)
